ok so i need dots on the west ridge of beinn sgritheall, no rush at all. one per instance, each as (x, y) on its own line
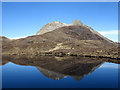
(59, 39)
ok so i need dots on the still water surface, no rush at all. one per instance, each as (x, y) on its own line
(59, 73)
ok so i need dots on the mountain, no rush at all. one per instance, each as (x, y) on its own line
(54, 25)
(60, 39)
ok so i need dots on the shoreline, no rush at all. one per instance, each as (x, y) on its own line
(61, 54)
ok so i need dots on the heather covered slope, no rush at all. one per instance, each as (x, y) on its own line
(68, 40)
(73, 39)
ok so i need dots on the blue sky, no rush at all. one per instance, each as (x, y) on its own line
(20, 19)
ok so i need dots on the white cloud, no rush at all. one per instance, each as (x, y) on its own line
(19, 37)
(110, 32)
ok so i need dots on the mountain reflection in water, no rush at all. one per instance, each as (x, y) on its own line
(58, 67)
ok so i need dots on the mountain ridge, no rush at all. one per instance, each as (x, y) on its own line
(71, 39)
(54, 25)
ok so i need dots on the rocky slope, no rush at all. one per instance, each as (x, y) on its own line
(63, 39)
(54, 25)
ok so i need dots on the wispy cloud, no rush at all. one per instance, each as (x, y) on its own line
(19, 37)
(111, 32)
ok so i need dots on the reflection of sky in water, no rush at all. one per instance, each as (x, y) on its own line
(16, 76)
(109, 65)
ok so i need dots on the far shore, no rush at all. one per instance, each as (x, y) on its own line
(61, 54)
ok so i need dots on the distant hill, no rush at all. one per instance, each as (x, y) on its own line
(4, 39)
(58, 38)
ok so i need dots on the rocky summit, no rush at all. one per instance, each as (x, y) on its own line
(54, 25)
(59, 39)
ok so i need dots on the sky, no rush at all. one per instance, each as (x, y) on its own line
(21, 19)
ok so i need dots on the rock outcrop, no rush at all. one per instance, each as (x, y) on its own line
(54, 25)
(50, 27)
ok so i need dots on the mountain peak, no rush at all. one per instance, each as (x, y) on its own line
(56, 22)
(50, 27)
(77, 22)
